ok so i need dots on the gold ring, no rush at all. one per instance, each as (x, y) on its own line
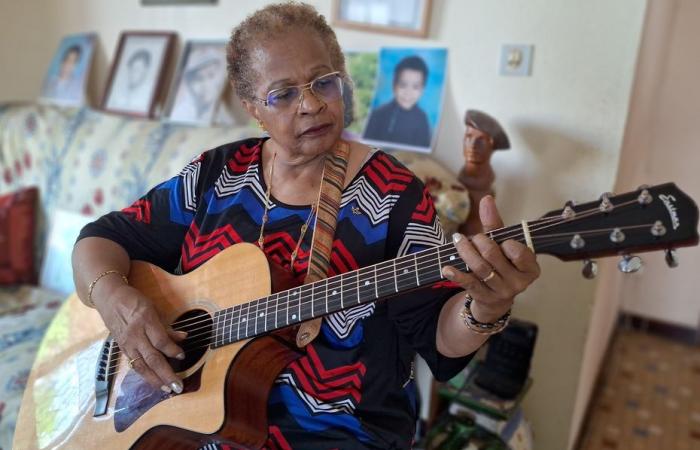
(489, 276)
(132, 361)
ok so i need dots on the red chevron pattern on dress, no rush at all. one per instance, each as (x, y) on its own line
(244, 157)
(279, 247)
(425, 210)
(198, 248)
(140, 211)
(328, 385)
(276, 440)
(388, 176)
(341, 259)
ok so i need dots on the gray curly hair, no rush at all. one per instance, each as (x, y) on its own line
(268, 23)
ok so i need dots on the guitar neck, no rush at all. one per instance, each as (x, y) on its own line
(650, 218)
(334, 294)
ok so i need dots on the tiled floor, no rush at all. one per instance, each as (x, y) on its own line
(649, 397)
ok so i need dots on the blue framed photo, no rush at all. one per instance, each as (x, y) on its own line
(66, 79)
(407, 103)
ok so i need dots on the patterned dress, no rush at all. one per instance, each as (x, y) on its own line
(353, 387)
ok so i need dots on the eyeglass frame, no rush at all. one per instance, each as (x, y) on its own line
(304, 87)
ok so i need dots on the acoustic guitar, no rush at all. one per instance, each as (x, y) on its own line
(81, 393)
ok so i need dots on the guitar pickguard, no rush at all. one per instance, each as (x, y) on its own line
(136, 397)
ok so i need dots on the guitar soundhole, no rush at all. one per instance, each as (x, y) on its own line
(198, 324)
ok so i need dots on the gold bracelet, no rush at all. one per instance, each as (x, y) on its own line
(89, 301)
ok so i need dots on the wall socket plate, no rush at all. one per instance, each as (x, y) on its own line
(516, 60)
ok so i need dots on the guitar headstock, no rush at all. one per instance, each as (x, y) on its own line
(650, 218)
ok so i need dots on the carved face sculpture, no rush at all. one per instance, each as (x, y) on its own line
(478, 145)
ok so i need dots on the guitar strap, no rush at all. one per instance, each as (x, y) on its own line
(324, 231)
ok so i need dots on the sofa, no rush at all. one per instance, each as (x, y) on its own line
(85, 163)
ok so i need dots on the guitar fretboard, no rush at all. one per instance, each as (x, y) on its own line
(333, 294)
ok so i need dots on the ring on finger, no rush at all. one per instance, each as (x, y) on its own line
(489, 276)
(132, 361)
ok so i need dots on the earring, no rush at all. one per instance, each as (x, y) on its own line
(261, 125)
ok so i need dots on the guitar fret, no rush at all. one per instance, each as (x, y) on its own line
(396, 283)
(217, 317)
(238, 323)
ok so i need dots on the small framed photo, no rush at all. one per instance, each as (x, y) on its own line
(136, 78)
(200, 80)
(66, 80)
(407, 103)
(403, 17)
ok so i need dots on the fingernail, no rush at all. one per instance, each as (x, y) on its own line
(182, 333)
(456, 237)
(165, 389)
(448, 272)
(180, 356)
(176, 387)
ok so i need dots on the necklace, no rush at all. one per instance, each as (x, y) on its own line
(265, 217)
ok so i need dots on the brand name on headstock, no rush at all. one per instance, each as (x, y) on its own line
(668, 202)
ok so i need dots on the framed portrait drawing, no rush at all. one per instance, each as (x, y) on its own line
(136, 78)
(66, 79)
(407, 103)
(200, 80)
(404, 17)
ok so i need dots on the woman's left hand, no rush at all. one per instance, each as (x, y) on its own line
(498, 272)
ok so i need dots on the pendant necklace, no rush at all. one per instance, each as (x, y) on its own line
(265, 217)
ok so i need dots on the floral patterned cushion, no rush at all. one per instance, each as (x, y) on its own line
(25, 312)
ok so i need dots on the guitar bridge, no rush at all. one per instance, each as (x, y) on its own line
(104, 374)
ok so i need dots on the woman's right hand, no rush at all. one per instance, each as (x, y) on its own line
(142, 337)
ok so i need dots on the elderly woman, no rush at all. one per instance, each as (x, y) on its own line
(353, 388)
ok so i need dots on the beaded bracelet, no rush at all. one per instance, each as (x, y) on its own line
(481, 327)
(89, 301)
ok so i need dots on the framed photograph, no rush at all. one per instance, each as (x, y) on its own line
(405, 111)
(177, 2)
(65, 81)
(136, 78)
(200, 80)
(404, 17)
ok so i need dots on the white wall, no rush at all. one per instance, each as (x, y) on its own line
(565, 122)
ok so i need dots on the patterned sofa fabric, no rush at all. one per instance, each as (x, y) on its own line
(25, 312)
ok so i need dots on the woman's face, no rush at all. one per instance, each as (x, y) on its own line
(311, 126)
(408, 88)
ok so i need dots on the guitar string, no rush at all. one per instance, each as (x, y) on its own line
(494, 234)
(284, 309)
(551, 240)
(391, 268)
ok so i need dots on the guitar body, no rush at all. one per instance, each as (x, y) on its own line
(225, 389)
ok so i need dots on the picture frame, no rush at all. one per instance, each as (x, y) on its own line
(195, 95)
(406, 108)
(400, 17)
(66, 79)
(177, 2)
(137, 75)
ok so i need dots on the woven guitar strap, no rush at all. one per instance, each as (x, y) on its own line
(324, 231)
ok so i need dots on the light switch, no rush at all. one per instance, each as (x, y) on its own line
(516, 60)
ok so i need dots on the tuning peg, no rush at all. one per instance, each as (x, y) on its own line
(590, 269)
(672, 257)
(630, 264)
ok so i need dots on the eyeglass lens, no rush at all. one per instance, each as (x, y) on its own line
(328, 88)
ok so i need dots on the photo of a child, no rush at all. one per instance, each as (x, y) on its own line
(67, 75)
(408, 99)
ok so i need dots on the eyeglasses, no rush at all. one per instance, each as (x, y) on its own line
(326, 88)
